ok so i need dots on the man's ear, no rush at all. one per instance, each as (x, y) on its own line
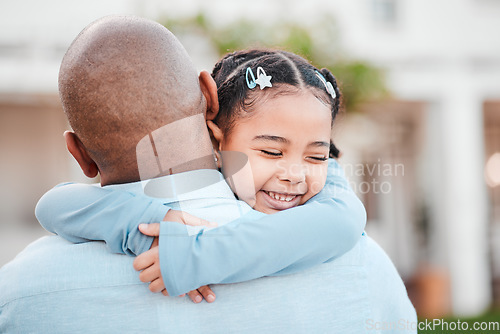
(209, 90)
(79, 152)
(216, 133)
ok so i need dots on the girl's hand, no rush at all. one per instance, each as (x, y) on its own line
(202, 292)
(149, 265)
(183, 218)
(149, 262)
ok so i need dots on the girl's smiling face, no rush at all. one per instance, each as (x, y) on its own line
(287, 141)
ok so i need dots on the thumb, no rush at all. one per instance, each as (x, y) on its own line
(152, 230)
(195, 221)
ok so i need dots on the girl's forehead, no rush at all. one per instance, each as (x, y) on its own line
(282, 109)
(287, 113)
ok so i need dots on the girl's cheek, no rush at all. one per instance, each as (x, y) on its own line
(259, 174)
(317, 179)
(239, 175)
(316, 187)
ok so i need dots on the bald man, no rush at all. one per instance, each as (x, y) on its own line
(119, 84)
(137, 110)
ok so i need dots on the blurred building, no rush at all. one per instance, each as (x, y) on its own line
(440, 221)
(33, 39)
(426, 162)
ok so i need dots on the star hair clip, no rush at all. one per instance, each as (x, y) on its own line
(263, 80)
(328, 85)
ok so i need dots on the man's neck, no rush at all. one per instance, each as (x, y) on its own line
(206, 162)
(177, 147)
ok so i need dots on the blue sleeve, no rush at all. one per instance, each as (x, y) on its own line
(83, 212)
(259, 245)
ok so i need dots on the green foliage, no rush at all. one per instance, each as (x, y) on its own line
(237, 37)
(359, 81)
(299, 41)
(490, 320)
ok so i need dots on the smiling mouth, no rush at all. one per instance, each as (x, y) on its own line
(281, 196)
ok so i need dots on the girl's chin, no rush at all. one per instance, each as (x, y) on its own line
(267, 210)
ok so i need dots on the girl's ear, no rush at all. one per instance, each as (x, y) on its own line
(216, 132)
(209, 90)
(79, 152)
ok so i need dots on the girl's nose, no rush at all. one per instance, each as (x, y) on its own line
(293, 173)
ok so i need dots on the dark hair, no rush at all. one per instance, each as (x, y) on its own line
(290, 73)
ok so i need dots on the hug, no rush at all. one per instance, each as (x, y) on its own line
(220, 208)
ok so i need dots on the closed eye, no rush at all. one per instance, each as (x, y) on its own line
(273, 154)
(319, 158)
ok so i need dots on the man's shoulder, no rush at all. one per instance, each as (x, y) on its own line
(390, 305)
(379, 266)
(54, 286)
(52, 264)
(376, 260)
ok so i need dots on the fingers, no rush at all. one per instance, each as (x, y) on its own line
(195, 296)
(153, 229)
(207, 293)
(157, 285)
(146, 259)
(186, 219)
(149, 275)
(155, 242)
(200, 293)
(195, 221)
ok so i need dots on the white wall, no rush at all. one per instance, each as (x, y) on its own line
(443, 53)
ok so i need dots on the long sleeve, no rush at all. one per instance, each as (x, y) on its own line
(259, 245)
(83, 212)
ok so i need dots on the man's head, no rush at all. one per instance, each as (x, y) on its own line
(121, 79)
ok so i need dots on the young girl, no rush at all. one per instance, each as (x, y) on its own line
(278, 110)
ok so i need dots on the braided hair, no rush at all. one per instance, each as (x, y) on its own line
(290, 74)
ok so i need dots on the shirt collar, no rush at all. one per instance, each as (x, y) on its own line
(192, 185)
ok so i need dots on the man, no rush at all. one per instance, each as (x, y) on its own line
(120, 82)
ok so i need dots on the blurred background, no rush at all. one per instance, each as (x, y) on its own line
(420, 135)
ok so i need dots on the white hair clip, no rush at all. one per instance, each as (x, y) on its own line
(263, 80)
(328, 85)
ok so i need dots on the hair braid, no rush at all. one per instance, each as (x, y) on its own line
(291, 73)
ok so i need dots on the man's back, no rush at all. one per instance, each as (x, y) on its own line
(84, 288)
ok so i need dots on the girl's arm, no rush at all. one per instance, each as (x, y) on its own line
(84, 212)
(256, 245)
(324, 228)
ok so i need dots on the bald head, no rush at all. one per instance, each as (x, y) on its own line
(121, 79)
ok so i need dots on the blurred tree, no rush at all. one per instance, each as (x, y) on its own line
(360, 82)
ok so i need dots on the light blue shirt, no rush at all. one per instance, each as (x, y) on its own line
(58, 287)
(240, 249)
(54, 286)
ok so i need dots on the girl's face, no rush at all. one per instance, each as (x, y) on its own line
(287, 142)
